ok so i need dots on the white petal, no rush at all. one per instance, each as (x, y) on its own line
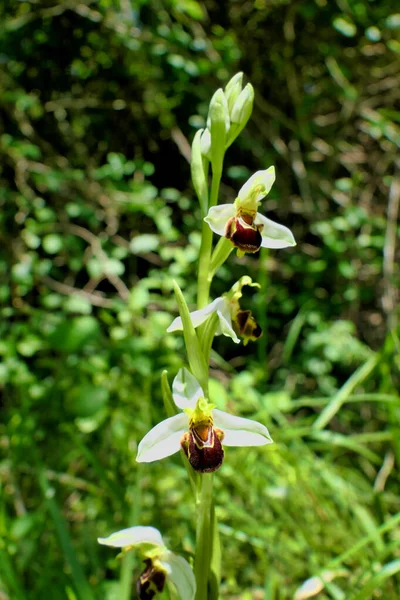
(132, 536)
(163, 440)
(197, 316)
(218, 217)
(181, 575)
(186, 390)
(273, 234)
(265, 178)
(239, 431)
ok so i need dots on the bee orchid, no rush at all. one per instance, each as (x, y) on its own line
(200, 430)
(243, 225)
(234, 322)
(161, 563)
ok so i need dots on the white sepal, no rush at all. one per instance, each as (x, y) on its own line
(273, 234)
(181, 575)
(222, 307)
(239, 431)
(186, 390)
(163, 440)
(198, 317)
(218, 217)
(133, 536)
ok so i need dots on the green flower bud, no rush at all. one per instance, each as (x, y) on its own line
(199, 168)
(218, 123)
(233, 89)
(243, 106)
(241, 113)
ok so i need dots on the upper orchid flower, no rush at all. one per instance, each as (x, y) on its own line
(233, 321)
(243, 225)
(200, 430)
(160, 562)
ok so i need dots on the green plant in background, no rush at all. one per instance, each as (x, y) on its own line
(97, 217)
(201, 429)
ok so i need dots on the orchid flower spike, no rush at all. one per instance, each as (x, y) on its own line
(199, 430)
(241, 222)
(233, 321)
(161, 563)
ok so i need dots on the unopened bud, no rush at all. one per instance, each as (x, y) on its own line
(233, 89)
(241, 112)
(199, 172)
(218, 123)
(243, 106)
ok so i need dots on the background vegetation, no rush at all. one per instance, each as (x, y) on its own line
(99, 103)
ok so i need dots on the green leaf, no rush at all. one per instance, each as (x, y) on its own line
(377, 580)
(72, 334)
(86, 400)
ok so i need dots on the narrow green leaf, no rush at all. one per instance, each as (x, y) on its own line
(377, 580)
(356, 379)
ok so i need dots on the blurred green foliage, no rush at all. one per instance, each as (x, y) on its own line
(99, 102)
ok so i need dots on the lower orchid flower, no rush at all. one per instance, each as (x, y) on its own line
(241, 222)
(233, 321)
(161, 563)
(200, 430)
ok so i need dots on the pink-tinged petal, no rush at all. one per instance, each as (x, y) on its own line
(265, 179)
(239, 431)
(218, 217)
(273, 234)
(186, 390)
(197, 316)
(163, 440)
(133, 536)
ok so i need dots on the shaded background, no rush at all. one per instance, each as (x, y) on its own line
(99, 103)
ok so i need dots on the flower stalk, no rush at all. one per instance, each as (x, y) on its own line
(194, 424)
(204, 537)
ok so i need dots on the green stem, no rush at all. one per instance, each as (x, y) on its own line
(207, 541)
(204, 536)
(204, 283)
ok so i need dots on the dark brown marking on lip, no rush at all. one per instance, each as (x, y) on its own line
(202, 445)
(243, 235)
